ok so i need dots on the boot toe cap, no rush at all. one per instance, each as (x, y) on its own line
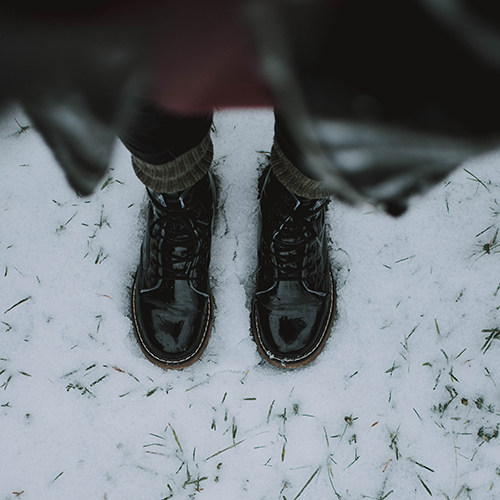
(172, 334)
(291, 331)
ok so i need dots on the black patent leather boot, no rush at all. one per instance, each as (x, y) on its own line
(294, 302)
(172, 304)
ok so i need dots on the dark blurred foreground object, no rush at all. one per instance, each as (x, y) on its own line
(75, 80)
(382, 98)
(81, 71)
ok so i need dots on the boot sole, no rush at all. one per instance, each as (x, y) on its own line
(307, 358)
(183, 363)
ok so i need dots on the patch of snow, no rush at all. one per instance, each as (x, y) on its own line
(404, 398)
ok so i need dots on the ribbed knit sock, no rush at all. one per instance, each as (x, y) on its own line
(178, 174)
(292, 178)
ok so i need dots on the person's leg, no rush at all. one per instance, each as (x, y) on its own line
(294, 302)
(289, 165)
(172, 305)
(169, 152)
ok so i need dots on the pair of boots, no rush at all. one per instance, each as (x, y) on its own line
(294, 301)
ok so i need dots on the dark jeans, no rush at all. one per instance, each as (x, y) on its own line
(158, 137)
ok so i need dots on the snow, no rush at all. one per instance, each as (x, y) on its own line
(403, 402)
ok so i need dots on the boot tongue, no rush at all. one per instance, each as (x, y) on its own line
(176, 239)
(157, 197)
(175, 235)
(165, 199)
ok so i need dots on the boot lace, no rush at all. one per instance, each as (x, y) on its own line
(292, 238)
(177, 242)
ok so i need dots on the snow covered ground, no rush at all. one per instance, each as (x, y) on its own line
(402, 404)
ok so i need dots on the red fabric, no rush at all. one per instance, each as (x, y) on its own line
(201, 51)
(203, 58)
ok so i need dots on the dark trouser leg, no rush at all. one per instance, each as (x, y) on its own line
(169, 153)
(289, 166)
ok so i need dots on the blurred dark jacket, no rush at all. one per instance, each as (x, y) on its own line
(383, 98)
